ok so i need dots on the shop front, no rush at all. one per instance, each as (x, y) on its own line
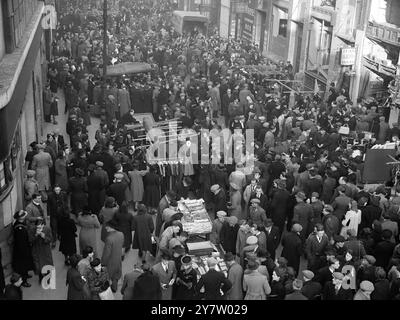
(17, 131)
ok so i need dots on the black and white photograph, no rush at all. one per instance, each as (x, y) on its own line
(200, 153)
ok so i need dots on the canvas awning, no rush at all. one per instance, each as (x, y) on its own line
(127, 68)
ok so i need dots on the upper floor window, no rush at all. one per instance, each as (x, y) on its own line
(280, 21)
(16, 16)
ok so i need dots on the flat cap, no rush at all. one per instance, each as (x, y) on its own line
(338, 238)
(297, 227)
(221, 214)
(215, 187)
(301, 195)
(30, 173)
(338, 275)
(315, 195)
(367, 286)
(255, 200)
(308, 274)
(252, 240)
(99, 163)
(371, 259)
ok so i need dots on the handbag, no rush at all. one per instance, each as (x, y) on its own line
(107, 295)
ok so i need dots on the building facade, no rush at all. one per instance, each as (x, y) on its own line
(22, 57)
(353, 43)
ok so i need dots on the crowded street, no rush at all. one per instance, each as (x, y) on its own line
(189, 150)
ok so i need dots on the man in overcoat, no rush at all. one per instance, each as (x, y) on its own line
(166, 272)
(112, 253)
(235, 276)
(97, 183)
(292, 247)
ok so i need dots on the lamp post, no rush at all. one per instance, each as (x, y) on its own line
(105, 38)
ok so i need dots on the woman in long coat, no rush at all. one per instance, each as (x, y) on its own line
(87, 235)
(255, 284)
(236, 202)
(60, 167)
(143, 226)
(137, 188)
(41, 240)
(42, 163)
(22, 261)
(107, 213)
(125, 224)
(75, 282)
(78, 190)
(67, 231)
(152, 189)
(124, 100)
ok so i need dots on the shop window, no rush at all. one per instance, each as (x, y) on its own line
(9, 165)
(5, 175)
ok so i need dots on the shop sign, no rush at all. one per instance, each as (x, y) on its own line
(348, 56)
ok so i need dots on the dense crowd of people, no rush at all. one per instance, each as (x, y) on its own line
(303, 200)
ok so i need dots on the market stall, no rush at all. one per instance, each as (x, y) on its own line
(200, 260)
(195, 221)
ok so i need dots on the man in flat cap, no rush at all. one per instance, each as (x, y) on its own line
(112, 253)
(219, 198)
(235, 276)
(302, 214)
(257, 214)
(334, 289)
(365, 291)
(217, 226)
(297, 285)
(366, 271)
(118, 188)
(97, 183)
(31, 186)
(213, 282)
(311, 289)
(293, 247)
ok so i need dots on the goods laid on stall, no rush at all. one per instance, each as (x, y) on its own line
(200, 261)
(195, 217)
(200, 248)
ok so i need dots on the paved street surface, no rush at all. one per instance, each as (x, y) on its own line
(36, 292)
